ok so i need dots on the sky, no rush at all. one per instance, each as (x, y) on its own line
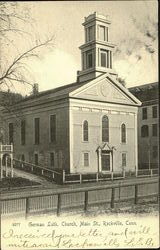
(133, 29)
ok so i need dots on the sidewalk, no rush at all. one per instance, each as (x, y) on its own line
(33, 177)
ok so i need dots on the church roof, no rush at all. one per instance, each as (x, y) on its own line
(146, 92)
(110, 89)
(59, 91)
(74, 90)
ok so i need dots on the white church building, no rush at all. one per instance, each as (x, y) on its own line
(85, 127)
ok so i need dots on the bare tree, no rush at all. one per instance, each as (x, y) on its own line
(14, 69)
(15, 72)
(19, 43)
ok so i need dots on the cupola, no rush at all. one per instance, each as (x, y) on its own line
(97, 51)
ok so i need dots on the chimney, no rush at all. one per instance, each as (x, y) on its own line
(35, 89)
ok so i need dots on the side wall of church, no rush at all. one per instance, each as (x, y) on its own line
(60, 148)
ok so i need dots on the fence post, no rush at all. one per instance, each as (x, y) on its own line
(96, 176)
(63, 176)
(11, 166)
(86, 201)
(112, 197)
(6, 168)
(42, 171)
(119, 192)
(27, 207)
(136, 195)
(53, 175)
(112, 176)
(22, 165)
(151, 172)
(80, 178)
(59, 205)
(124, 174)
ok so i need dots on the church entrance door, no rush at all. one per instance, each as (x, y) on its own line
(106, 157)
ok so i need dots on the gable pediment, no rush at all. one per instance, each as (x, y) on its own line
(105, 89)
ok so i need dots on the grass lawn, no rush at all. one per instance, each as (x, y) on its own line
(7, 183)
(125, 208)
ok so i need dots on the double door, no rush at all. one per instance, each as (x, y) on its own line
(106, 161)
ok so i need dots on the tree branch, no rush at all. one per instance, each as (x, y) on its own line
(24, 55)
(19, 80)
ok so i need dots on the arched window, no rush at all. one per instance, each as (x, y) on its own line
(105, 129)
(123, 133)
(144, 131)
(85, 131)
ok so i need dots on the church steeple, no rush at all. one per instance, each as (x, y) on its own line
(97, 50)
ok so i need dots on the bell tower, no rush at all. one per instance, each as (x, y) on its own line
(96, 52)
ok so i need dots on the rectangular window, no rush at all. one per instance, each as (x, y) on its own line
(144, 113)
(154, 111)
(89, 59)
(53, 128)
(123, 159)
(23, 132)
(36, 159)
(10, 132)
(154, 129)
(155, 151)
(86, 159)
(37, 130)
(102, 33)
(104, 58)
(90, 33)
(144, 131)
(52, 159)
